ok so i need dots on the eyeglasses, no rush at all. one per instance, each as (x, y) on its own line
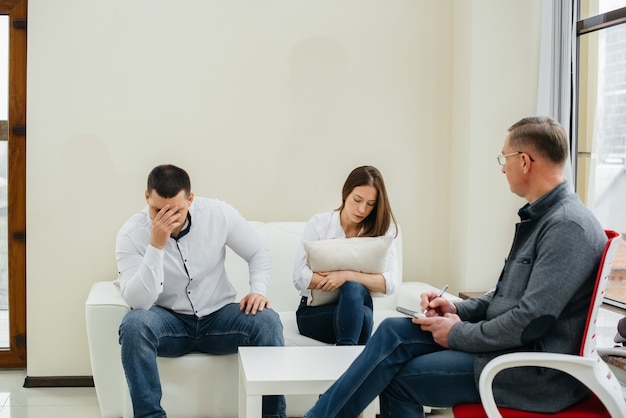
(502, 158)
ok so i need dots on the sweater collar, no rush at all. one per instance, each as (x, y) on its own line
(544, 203)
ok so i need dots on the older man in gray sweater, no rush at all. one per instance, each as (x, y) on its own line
(539, 303)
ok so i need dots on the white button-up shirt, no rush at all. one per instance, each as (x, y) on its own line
(188, 274)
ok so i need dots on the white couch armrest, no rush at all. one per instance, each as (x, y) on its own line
(104, 310)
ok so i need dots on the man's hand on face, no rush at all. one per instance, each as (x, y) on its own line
(163, 223)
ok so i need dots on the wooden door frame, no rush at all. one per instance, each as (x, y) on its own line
(15, 356)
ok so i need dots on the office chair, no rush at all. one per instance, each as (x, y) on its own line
(606, 399)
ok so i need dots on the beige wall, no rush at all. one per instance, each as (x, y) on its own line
(269, 105)
(495, 79)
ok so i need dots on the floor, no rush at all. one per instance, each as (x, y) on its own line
(19, 402)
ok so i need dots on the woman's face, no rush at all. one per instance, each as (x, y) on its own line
(360, 203)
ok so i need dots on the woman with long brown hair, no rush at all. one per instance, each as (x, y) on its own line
(364, 212)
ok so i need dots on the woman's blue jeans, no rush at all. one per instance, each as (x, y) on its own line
(403, 365)
(347, 322)
(146, 334)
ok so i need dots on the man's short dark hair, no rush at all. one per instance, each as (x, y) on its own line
(168, 180)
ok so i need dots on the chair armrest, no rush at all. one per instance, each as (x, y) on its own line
(591, 371)
(104, 310)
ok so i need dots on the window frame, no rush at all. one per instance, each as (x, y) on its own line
(582, 172)
(15, 355)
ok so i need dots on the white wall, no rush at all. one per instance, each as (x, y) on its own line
(496, 62)
(268, 104)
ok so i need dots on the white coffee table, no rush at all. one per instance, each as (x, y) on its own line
(290, 370)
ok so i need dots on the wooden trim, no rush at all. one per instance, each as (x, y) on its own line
(15, 356)
(613, 308)
(468, 295)
(602, 21)
(59, 382)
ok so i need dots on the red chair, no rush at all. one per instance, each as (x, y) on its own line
(606, 400)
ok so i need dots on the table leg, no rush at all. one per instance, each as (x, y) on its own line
(253, 406)
(250, 406)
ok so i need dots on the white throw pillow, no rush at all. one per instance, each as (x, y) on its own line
(363, 254)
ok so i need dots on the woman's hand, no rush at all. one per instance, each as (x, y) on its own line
(332, 280)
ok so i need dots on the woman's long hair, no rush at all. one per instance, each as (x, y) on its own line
(378, 222)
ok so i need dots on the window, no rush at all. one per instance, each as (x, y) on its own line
(601, 124)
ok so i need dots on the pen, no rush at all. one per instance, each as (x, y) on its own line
(442, 291)
(440, 294)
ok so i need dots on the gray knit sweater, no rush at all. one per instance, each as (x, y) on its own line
(540, 302)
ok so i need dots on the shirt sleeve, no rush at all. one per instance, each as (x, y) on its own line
(391, 272)
(140, 273)
(248, 244)
(302, 273)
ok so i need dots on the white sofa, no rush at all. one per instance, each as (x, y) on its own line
(200, 385)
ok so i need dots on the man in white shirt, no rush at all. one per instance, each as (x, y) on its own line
(170, 258)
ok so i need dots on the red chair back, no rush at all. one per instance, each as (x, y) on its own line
(588, 345)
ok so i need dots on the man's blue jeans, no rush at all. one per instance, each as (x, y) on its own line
(347, 322)
(403, 365)
(146, 334)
